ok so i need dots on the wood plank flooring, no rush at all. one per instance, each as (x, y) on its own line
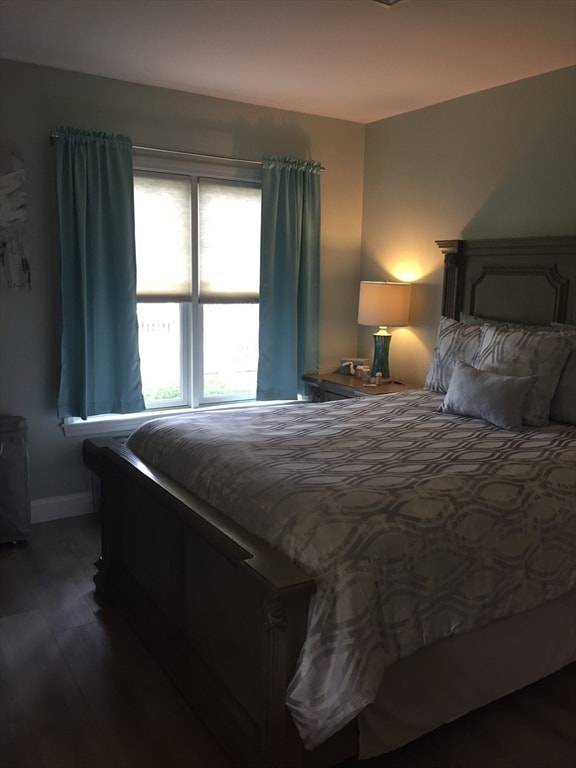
(79, 690)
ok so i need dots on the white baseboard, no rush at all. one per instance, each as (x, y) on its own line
(58, 507)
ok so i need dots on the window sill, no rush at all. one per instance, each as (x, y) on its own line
(124, 424)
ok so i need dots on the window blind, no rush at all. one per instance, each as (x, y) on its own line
(163, 237)
(229, 254)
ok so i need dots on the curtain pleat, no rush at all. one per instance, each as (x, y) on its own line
(100, 365)
(289, 277)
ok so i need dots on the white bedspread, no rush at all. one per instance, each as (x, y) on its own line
(417, 525)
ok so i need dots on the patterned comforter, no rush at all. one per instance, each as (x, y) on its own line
(417, 525)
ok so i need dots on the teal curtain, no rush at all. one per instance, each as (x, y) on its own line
(100, 365)
(289, 277)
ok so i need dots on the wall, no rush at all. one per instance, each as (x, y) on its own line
(35, 101)
(499, 163)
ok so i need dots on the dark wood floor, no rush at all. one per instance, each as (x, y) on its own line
(78, 689)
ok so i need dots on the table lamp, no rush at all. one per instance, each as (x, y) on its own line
(383, 304)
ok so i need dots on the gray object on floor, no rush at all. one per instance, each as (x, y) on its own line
(14, 488)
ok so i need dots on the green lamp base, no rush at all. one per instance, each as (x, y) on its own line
(381, 349)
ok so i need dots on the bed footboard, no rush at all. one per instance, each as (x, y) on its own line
(222, 612)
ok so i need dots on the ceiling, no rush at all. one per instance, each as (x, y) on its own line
(356, 60)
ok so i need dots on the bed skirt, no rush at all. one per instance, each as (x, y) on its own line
(444, 681)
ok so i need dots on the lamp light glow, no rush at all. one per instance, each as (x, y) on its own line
(383, 304)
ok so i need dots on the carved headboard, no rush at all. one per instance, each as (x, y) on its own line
(527, 280)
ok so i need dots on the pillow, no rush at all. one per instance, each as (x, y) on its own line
(525, 353)
(493, 397)
(455, 341)
(563, 405)
(476, 320)
(563, 326)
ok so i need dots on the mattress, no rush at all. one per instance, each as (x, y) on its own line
(416, 525)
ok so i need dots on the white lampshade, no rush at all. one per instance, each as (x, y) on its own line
(384, 303)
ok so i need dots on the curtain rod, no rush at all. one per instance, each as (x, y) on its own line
(222, 158)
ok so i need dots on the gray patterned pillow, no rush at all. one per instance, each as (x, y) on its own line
(525, 353)
(490, 396)
(476, 320)
(563, 405)
(455, 341)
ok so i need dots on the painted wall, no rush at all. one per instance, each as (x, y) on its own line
(499, 163)
(34, 102)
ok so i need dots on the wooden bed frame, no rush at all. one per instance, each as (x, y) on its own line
(223, 612)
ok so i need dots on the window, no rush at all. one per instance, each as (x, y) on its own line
(198, 261)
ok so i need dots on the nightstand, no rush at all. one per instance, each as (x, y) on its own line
(336, 386)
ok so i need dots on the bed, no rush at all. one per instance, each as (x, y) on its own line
(306, 620)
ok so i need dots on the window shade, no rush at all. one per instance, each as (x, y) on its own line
(229, 241)
(163, 237)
